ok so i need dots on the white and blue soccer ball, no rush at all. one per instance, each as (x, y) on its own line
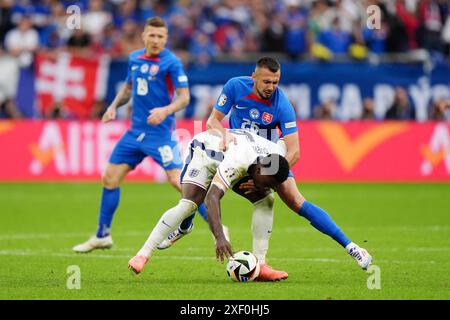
(243, 267)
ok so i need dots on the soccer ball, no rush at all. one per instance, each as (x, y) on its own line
(243, 267)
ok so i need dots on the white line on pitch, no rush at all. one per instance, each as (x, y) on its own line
(135, 233)
(175, 257)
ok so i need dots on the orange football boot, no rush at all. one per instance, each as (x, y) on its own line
(266, 273)
(137, 264)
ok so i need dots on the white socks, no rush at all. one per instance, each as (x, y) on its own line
(169, 221)
(262, 222)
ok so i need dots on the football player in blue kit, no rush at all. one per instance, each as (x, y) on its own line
(158, 87)
(257, 104)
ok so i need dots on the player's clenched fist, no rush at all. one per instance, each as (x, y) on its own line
(157, 115)
(109, 115)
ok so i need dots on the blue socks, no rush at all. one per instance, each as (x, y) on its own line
(109, 203)
(188, 221)
(320, 220)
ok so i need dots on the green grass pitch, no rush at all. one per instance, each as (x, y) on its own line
(406, 228)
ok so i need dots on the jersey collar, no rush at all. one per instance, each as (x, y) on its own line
(254, 97)
(148, 58)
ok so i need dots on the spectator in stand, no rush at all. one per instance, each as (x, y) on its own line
(8, 86)
(446, 35)
(397, 36)
(401, 108)
(23, 41)
(231, 39)
(127, 10)
(430, 25)
(336, 39)
(368, 112)
(55, 33)
(95, 20)
(295, 22)
(80, 43)
(130, 39)
(202, 48)
(375, 39)
(409, 19)
(325, 111)
(317, 18)
(440, 110)
(272, 33)
(5, 18)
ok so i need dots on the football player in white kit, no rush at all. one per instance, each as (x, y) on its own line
(207, 174)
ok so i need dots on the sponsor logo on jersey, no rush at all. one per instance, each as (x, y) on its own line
(222, 100)
(134, 67)
(267, 117)
(154, 69)
(254, 113)
(144, 68)
(182, 79)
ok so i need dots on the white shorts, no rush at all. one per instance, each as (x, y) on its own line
(202, 159)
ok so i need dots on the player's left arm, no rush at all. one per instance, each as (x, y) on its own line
(182, 97)
(289, 130)
(292, 148)
(212, 202)
(158, 115)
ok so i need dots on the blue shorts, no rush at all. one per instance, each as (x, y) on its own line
(133, 147)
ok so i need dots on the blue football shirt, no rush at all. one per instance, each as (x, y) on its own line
(153, 81)
(249, 112)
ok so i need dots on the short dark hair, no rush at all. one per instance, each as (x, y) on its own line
(282, 170)
(268, 63)
(156, 22)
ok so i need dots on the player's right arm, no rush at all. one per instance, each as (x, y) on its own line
(220, 109)
(122, 97)
(214, 124)
(212, 202)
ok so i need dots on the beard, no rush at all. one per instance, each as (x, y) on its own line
(263, 95)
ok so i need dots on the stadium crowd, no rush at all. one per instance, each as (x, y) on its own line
(202, 31)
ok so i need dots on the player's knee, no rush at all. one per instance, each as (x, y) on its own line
(187, 207)
(109, 180)
(293, 200)
(296, 202)
(266, 202)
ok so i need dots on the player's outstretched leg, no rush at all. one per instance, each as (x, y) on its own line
(186, 227)
(322, 221)
(168, 222)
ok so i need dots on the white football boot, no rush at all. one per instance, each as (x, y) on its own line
(94, 243)
(178, 234)
(174, 236)
(361, 256)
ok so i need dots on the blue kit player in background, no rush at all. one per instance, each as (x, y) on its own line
(257, 104)
(154, 75)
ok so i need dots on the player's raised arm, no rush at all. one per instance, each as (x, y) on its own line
(122, 97)
(212, 202)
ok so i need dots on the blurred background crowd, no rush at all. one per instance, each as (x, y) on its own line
(207, 31)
